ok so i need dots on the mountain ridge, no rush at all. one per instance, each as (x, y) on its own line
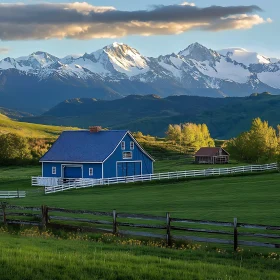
(151, 114)
(118, 70)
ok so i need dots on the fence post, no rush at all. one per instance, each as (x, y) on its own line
(47, 215)
(18, 193)
(44, 221)
(235, 234)
(3, 206)
(114, 222)
(168, 235)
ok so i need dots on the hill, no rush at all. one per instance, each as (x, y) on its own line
(28, 129)
(225, 117)
(14, 114)
(39, 81)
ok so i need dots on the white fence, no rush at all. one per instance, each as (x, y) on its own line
(12, 194)
(53, 185)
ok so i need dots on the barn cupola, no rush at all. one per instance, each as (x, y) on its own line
(95, 129)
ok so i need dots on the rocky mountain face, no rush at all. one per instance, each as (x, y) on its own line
(39, 81)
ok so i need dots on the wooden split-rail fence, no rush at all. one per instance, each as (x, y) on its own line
(148, 226)
(53, 185)
(12, 194)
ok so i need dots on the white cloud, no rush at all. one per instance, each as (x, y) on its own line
(269, 20)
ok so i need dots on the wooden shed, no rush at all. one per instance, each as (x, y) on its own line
(211, 155)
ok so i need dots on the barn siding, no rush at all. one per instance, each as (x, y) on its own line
(47, 169)
(137, 155)
(97, 170)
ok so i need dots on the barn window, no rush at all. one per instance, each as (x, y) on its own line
(127, 155)
(53, 170)
(123, 145)
(90, 171)
(131, 145)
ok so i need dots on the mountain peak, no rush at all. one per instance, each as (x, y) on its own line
(116, 44)
(199, 52)
(119, 48)
(192, 48)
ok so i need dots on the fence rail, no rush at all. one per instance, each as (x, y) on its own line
(12, 194)
(164, 227)
(53, 185)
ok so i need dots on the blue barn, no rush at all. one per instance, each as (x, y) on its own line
(96, 153)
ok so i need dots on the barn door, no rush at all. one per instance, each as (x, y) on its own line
(128, 168)
(72, 172)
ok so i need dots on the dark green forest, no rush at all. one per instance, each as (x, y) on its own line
(225, 117)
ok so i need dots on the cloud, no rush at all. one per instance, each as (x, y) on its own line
(4, 50)
(84, 21)
(188, 4)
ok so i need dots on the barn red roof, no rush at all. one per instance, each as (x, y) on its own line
(209, 151)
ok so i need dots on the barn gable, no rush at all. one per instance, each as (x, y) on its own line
(138, 161)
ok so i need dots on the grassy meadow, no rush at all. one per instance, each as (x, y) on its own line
(30, 130)
(252, 199)
(32, 257)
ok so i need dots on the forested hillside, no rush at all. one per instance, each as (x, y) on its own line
(225, 117)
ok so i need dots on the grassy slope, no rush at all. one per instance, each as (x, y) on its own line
(249, 198)
(47, 258)
(29, 130)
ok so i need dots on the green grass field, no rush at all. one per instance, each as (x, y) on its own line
(27, 258)
(252, 199)
(28, 129)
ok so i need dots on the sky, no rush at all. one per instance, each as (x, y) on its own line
(153, 27)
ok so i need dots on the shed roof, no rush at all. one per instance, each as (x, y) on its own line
(209, 151)
(84, 146)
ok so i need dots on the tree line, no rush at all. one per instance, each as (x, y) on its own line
(261, 143)
(190, 136)
(18, 150)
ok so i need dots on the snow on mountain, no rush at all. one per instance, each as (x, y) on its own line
(172, 63)
(222, 69)
(37, 60)
(199, 53)
(245, 57)
(270, 78)
(196, 67)
(11, 63)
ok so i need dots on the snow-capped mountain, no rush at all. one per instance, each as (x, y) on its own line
(246, 57)
(118, 70)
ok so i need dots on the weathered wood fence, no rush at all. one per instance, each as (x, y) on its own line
(12, 194)
(163, 227)
(53, 185)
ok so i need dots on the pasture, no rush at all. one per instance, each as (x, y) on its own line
(28, 256)
(252, 199)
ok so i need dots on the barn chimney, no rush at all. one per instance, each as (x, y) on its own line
(95, 129)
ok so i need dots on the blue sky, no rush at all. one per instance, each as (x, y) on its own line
(262, 38)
